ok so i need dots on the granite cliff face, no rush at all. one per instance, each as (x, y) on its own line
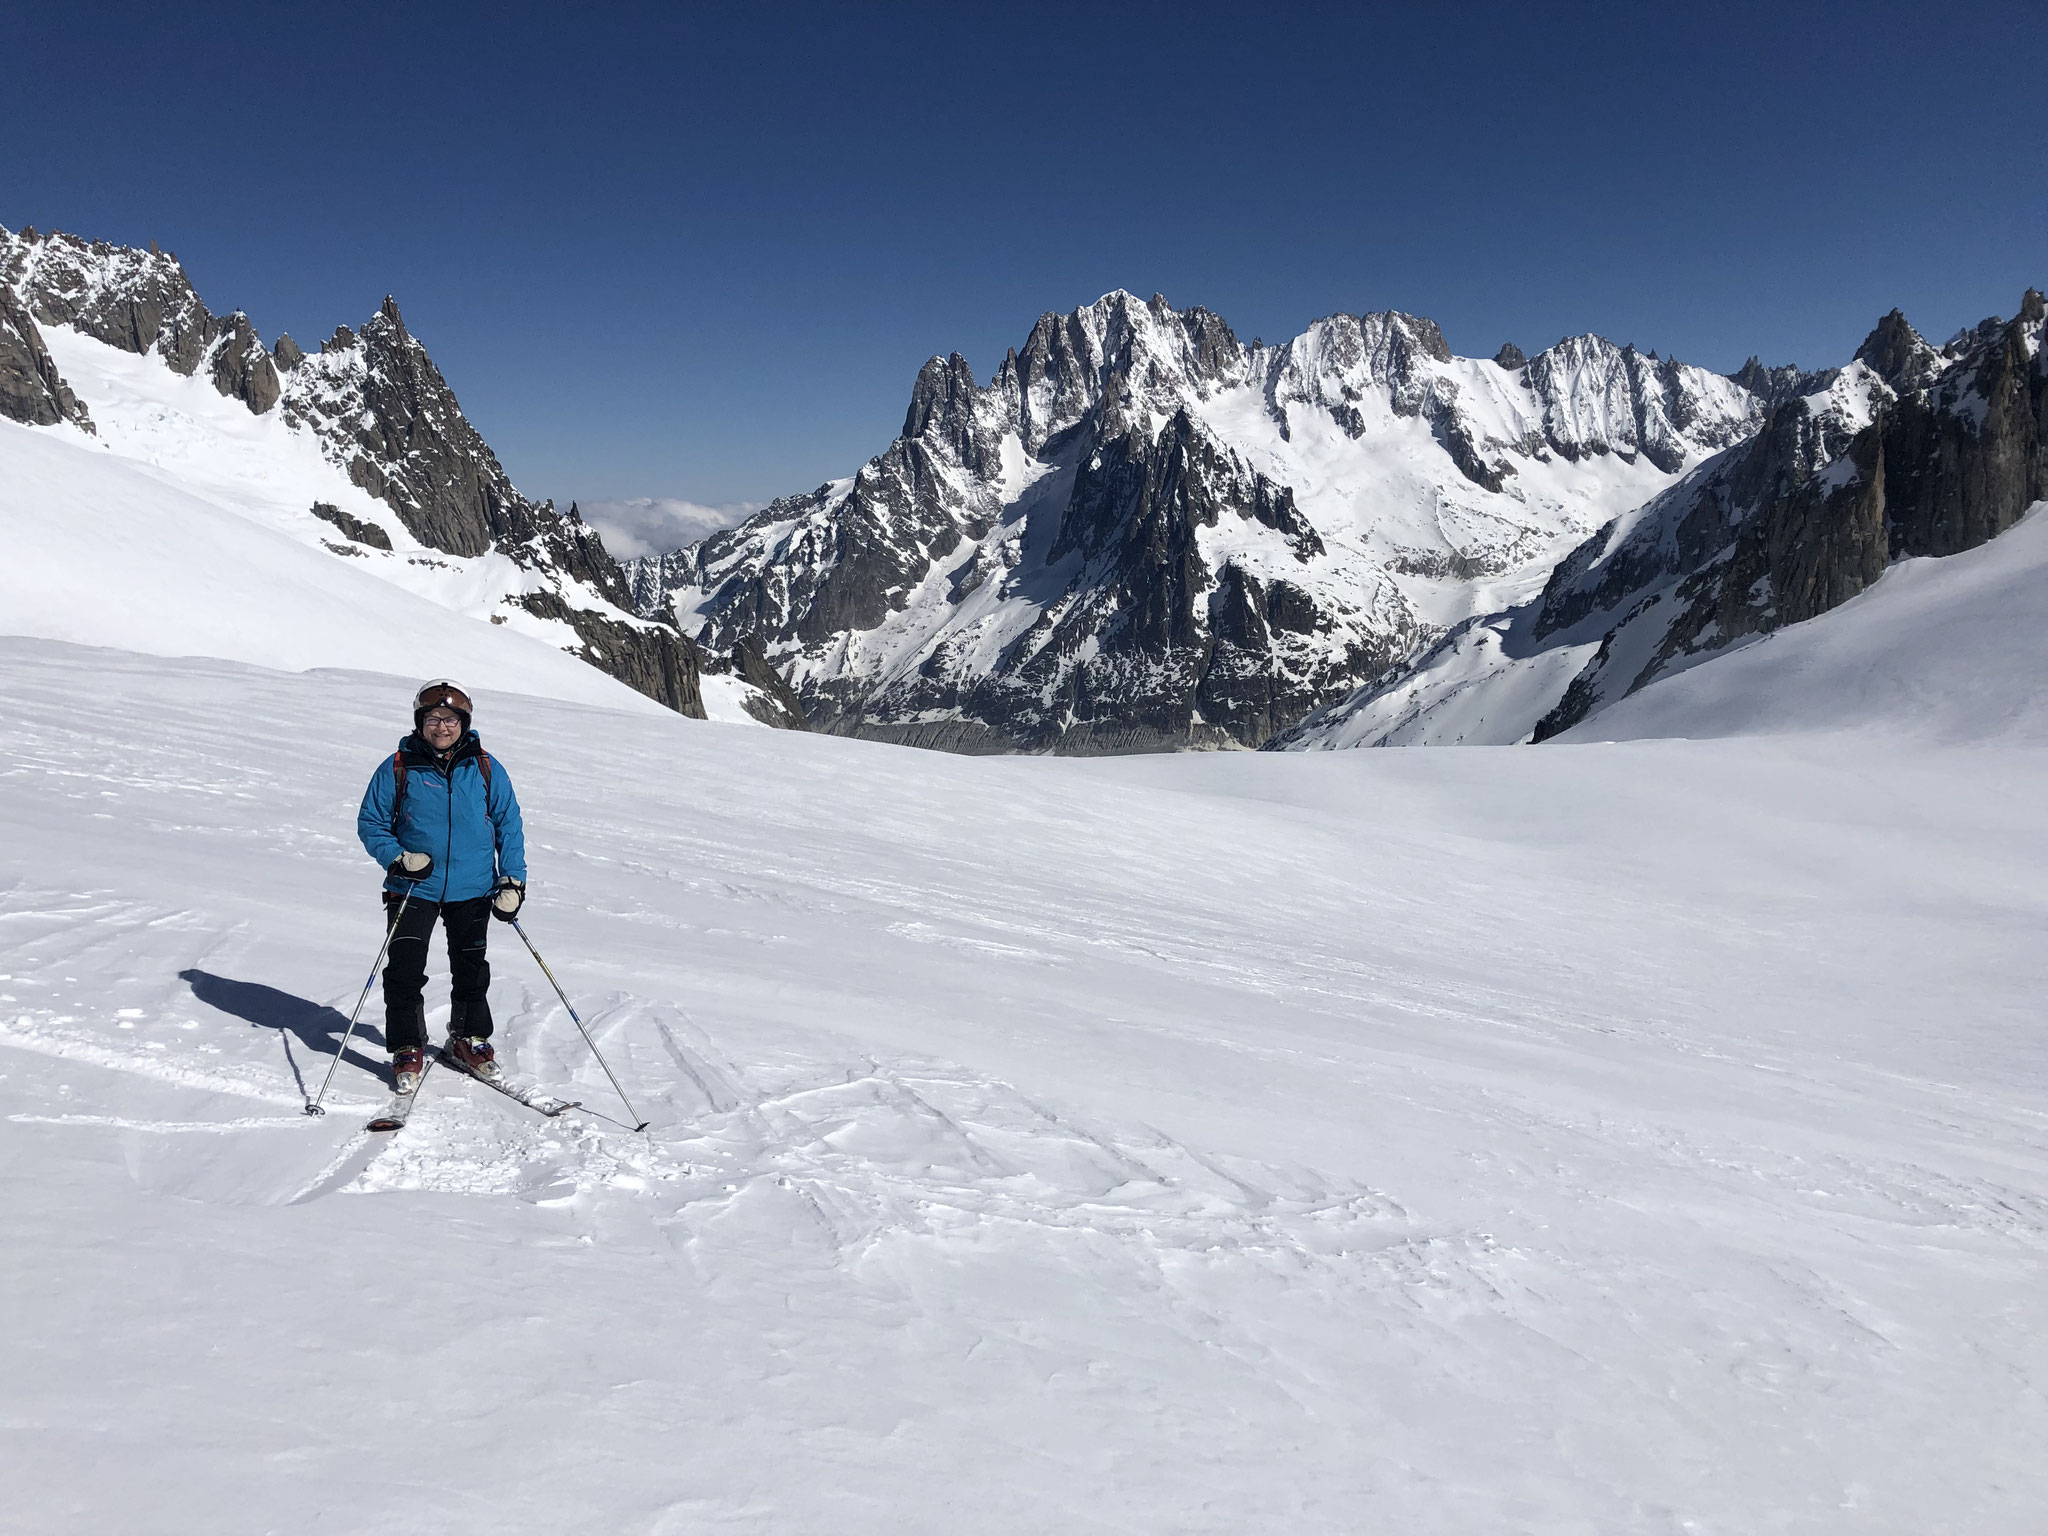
(1909, 450)
(381, 413)
(1144, 534)
(32, 391)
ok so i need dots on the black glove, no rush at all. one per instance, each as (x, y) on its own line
(411, 866)
(507, 898)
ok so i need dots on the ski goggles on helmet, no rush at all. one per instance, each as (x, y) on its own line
(441, 694)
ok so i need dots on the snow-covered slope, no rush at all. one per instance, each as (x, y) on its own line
(170, 488)
(1142, 533)
(107, 550)
(1644, 1137)
(1942, 649)
(1909, 451)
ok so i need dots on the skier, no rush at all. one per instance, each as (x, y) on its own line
(440, 816)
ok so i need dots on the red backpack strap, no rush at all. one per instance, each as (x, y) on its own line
(483, 761)
(398, 795)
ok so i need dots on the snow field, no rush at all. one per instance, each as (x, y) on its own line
(1942, 650)
(1642, 1137)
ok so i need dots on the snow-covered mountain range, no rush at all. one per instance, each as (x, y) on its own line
(1144, 533)
(1139, 534)
(359, 449)
(1907, 451)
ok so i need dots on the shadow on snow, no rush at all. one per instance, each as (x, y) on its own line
(314, 1025)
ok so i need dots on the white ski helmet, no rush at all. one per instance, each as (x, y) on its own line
(441, 693)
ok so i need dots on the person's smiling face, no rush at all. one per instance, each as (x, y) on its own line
(442, 728)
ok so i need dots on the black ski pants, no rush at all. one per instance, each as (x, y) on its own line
(467, 925)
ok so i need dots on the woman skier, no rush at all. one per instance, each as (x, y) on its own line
(441, 817)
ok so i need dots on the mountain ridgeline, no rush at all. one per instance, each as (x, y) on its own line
(1909, 450)
(382, 414)
(1145, 534)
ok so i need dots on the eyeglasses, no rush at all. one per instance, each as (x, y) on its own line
(439, 717)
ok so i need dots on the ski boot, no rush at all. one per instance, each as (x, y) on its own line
(474, 1055)
(407, 1067)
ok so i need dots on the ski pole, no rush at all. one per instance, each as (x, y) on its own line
(375, 965)
(579, 1024)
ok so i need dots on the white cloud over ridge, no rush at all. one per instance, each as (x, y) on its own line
(657, 525)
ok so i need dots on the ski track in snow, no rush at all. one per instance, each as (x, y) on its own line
(1204, 1145)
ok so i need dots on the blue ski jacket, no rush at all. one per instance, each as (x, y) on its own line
(466, 818)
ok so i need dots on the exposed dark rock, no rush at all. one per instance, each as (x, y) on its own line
(778, 704)
(354, 527)
(1291, 610)
(1965, 459)
(1774, 386)
(135, 300)
(1813, 543)
(1510, 356)
(1464, 452)
(652, 659)
(1895, 352)
(242, 370)
(286, 352)
(32, 391)
(1810, 512)
(942, 402)
(1580, 694)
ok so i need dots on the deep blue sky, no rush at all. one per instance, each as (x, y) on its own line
(700, 252)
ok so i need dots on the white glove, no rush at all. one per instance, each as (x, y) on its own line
(412, 866)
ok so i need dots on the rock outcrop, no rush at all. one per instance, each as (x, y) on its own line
(32, 391)
(352, 527)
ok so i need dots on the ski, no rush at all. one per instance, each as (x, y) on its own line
(394, 1116)
(529, 1093)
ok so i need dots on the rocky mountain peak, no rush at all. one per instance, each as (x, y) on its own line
(945, 387)
(1898, 354)
(1774, 386)
(1141, 356)
(1509, 357)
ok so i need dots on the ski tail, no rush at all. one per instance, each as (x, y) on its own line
(527, 1092)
